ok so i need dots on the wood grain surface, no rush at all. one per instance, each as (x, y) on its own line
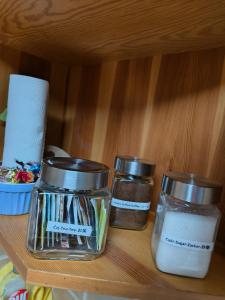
(107, 29)
(125, 269)
(9, 63)
(169, 109)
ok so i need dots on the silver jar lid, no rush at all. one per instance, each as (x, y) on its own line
(191, 188)
(134, 166)
(74, 173)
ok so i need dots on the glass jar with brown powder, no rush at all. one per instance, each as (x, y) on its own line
(131, 192)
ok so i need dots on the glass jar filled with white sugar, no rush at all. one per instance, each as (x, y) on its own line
(186, 224)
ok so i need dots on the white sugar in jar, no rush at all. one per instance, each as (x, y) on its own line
(186, 224)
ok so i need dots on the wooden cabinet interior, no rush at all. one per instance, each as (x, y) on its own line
(169, 109)
(115, 92)
(166, 108)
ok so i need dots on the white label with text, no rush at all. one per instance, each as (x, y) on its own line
(69, 228)
(130, 205)
(191, 245)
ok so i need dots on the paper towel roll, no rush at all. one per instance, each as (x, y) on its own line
(25, 124)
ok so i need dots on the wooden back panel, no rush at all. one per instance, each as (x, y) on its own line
(169, 109)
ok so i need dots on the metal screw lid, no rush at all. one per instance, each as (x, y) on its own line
(74, 173)
(191, 188)
(134, 166)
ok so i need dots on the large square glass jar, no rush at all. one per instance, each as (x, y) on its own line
(69, 210)
(186, 224)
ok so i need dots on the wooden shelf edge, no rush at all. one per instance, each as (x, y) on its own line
(121, 271)
(12, 254)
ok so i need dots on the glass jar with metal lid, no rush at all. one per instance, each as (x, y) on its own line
(186, 224)
(69, 210)
(131, 192)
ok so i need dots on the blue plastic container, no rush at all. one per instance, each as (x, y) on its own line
(15, 198)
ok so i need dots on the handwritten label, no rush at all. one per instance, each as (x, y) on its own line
(130, 205)
(191, 245)
(69, 228)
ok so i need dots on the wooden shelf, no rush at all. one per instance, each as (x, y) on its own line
(92, 30)
(126, 268)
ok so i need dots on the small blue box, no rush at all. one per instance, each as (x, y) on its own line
(15, 198)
